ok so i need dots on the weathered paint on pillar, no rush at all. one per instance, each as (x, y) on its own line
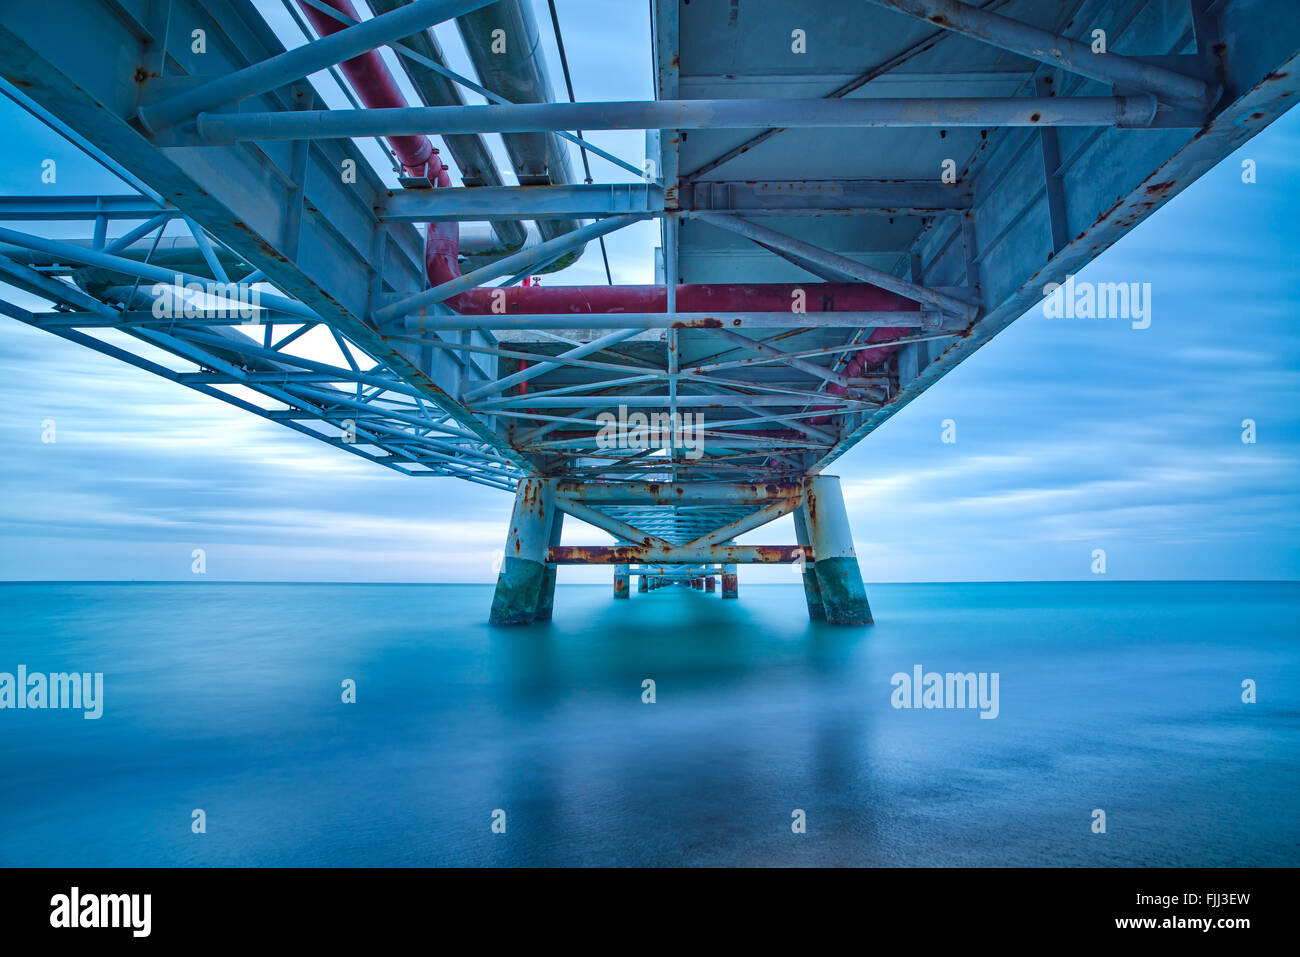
(621, 576)
(710, 584)
(523, 570)
(640, 584)
(812, 590)
(546, 597)
(843, 594)
(730, 583)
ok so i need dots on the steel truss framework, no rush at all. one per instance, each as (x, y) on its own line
(955, 157)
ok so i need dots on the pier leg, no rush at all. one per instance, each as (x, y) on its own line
(710, 584)
(812, 590)
(621, 582)
(519, 585)
(640, 584)
(546, 597)
(843, 594)
(730, 583)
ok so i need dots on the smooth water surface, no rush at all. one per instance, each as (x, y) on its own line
(1118, 696)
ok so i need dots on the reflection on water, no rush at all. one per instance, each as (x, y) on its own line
(1121, 696)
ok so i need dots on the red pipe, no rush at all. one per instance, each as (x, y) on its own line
(369, 76)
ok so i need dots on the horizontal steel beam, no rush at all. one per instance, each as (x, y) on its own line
(678, 320)
(131, 267)
(823, 257)
(784, 198)
(305, 60)
(678, 555)
(825, 196)
(49, 208)
(520, 202)
(679, 493)
(1122, 111)
(1059, 51)
(686, 401)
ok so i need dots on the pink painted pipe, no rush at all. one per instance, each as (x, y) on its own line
(376, 88)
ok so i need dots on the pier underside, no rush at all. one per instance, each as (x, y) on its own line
(852, 196)
(664, 548)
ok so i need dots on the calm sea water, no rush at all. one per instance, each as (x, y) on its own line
(1119, 696)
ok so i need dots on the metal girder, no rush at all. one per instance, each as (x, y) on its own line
(780, 355)
(784, 198)
(746, 523)
(665, 320)
(681, 554)
(1059, 51)
(540, 368)
(934, 299)
(293, 65)
(1133, 112)
(524, 260)
(51, 208)
(521, 202)
(881, 68)
(816, 197)
(668, 493)
(619, 529)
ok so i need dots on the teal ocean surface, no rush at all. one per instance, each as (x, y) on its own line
(1123, 697)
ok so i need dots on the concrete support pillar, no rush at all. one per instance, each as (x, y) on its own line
(843, 596)
(730, 583)
(812, 591)
(621, 582)
(523, 570)
(640, 584)
(710, 584)
(546, 597)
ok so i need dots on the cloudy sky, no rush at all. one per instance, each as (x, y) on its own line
(1072, 434)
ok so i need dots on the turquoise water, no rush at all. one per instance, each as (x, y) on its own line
(1120, 696)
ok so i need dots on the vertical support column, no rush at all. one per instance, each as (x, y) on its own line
(730, 583)
(621, 576)
(546, 597)
(519, 586)
(640, 584)
(710, 584)
(843, 594)
(812, 589)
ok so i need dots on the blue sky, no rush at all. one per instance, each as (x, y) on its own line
(1072, 434)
